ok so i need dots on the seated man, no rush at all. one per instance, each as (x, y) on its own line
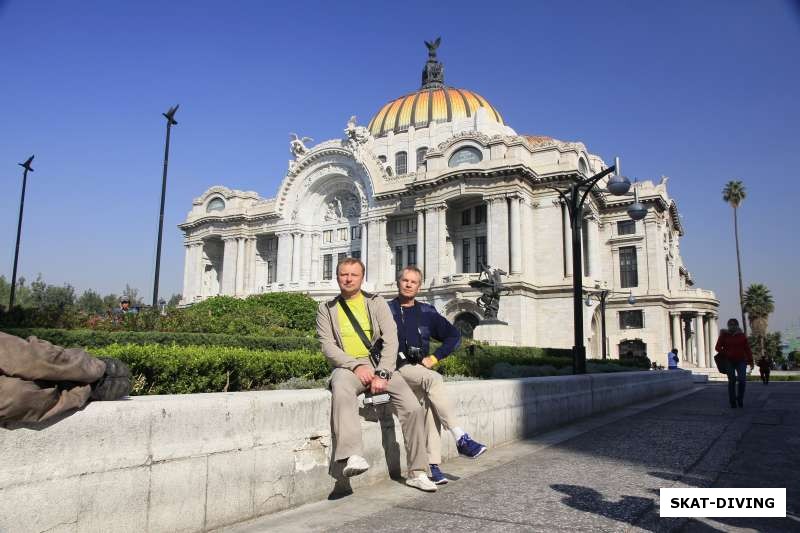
(39, 380)
(417, 323)
(354, 372)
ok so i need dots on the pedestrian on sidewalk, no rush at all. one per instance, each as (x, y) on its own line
(764, 366)
(359, 339)
(733, 345)
(418, 323)
(672, 359)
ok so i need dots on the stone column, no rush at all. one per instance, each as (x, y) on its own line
(498, 228)
(700, 342)
(305, 257)
(516, 237)
(251, 285)
(315, 274)
(567, 238)
(284, 266)
(199, 270)
(188, 281)
(364, 249)
(421, 241)
(432, 251)
(446, 251)
(709, 345)
(676, 335)
(384, 275)
(593, 247)
(297, 242)
(239, 287)
(229, 260)
(714, 333)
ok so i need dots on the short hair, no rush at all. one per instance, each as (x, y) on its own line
(411, 268)
(350, 261)
(675, 350)
(735, 321)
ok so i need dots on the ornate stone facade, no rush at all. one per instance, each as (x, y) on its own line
(449, 194)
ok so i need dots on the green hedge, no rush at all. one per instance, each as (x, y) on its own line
(87, 338)
(190, 369)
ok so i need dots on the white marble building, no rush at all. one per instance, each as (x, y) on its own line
(439, 180)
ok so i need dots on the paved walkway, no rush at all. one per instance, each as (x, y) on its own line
(597, 475)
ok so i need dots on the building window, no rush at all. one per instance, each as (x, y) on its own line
(465, 156)
(355, 254)
(421, 158)
(398, 226)
(631, 319)
(628, 270)
(355, 232)
(626, 227)
(327, 235)
(272, 244)
(466, 217)
(412, 225)
(480, 214)
(217, 204)
(412, 254)
(327, 266)
(401, 163)
(480, 252)
(340, 257)
(398, 259)
(270, 272)
(465, 266)
(582, 167)
(342, 234)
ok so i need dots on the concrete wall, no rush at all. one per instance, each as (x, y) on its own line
(196, 462)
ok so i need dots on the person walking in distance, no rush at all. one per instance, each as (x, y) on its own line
(418, 323)
(732, 344)
(359, 339)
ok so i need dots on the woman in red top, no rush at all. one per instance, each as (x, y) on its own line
(734, 346)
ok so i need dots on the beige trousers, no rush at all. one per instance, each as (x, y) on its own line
(345, 387)
(39, 380)
(429, 388)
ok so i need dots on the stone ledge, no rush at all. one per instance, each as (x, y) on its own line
(196, 462)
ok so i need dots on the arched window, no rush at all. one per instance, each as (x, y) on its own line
(401, 163)
(217, 204)
(465, 156)
(421, 158)
(582, 167)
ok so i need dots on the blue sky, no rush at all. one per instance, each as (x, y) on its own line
(703, 92)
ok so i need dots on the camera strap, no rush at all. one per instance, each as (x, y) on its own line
(358, 328)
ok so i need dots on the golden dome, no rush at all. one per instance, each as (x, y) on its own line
(426, 106)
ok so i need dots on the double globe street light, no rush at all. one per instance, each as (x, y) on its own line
(602, 296)
(574, 198)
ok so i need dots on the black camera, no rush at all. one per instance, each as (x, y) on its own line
(414, 355)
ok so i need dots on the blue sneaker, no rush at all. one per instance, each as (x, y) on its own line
(437, 476)
(469, 448)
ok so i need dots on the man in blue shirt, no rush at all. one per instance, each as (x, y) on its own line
(417, 323)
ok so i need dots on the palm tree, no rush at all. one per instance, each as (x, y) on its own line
(734, 194)
(759, 304)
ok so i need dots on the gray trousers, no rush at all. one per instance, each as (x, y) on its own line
(429, 388)
(32, 374)
(345, 387)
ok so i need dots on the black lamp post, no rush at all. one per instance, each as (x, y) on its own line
(28, 168)
(602, 295)
(574, 199)
(170, 116)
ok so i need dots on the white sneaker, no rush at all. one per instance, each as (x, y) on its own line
(355, 465)
(420, 481)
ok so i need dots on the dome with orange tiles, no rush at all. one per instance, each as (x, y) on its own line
(433, 103)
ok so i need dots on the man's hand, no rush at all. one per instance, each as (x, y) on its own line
(429, 361)
(378, 385)
(364, 374)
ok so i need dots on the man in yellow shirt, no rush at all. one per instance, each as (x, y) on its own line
(354, 373)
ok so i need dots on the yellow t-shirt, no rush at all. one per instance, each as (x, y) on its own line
(353, 345)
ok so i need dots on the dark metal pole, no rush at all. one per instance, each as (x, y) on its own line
(603, 296)
(170, 121)
(578, 349)
(27, 166)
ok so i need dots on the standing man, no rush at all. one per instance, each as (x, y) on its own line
(417, 323)
(672, 359)
(355, 372)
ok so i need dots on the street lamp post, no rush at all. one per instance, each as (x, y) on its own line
(602, 295)
(27, 168)
(574, 199)
(170, 116)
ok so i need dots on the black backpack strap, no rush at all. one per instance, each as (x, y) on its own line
(358, 328)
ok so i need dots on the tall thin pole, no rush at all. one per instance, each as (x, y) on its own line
(170, 114)
(27, 166)
(578, 349)
(603, 296)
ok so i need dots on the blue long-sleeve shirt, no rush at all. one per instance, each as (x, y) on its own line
(418, 324)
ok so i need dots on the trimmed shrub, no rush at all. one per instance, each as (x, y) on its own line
(190, 369)
(87, 338)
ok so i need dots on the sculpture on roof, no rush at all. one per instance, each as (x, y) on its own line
(297, 145)
(356, 134)
(433, 73)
